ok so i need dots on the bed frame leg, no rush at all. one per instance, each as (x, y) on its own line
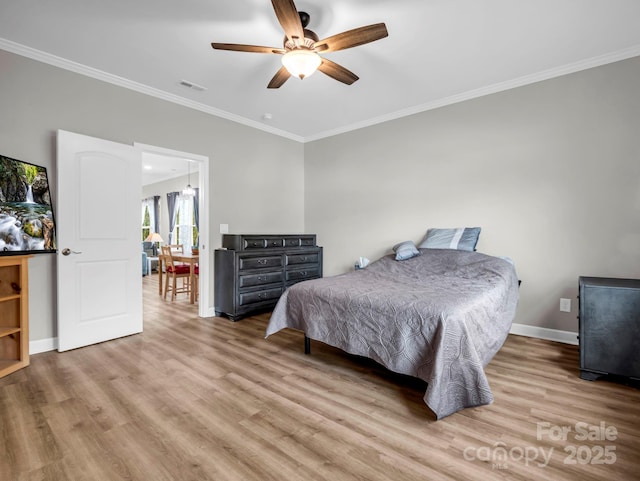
(307, 345)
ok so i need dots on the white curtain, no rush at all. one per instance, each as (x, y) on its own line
(148, 203)
(184, 205)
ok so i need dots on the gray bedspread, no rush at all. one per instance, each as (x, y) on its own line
(440, 316)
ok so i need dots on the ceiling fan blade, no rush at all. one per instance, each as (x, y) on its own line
(337, 72)
(279, 78)
(352, 38)
(289, 19)
(237, 47)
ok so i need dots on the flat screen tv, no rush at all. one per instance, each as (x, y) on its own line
(27, 224)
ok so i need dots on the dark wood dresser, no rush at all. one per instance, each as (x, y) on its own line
(252, 271)
(609, 317)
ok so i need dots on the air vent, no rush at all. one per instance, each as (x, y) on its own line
(192, 86)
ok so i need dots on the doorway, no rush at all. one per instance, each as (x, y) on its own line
(200, 164)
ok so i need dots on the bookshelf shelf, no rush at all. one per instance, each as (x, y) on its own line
(14, 314)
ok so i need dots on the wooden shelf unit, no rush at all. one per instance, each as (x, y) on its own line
(14, 313)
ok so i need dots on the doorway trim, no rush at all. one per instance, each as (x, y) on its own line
(205, 304)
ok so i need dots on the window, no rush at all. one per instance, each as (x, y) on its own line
(147, 218)
(185, 231)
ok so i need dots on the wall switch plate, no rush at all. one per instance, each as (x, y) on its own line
(565, 305)
(224, 228)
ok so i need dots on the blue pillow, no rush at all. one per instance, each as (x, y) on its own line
(405, 250)
(464, 239)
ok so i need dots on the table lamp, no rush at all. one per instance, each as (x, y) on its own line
(154, 237)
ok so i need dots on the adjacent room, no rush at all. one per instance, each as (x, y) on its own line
(421, 261)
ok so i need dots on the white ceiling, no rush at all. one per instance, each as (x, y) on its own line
(437, 52)
(158, 168)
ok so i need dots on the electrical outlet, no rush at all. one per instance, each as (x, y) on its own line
(565, 305)
(224, 228)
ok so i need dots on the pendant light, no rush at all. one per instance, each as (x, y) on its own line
(188, 190)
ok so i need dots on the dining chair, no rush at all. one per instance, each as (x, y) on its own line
(175, 273)
(177, 249)
(196, 272)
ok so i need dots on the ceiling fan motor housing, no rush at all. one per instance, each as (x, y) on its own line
(310, 37)
(304, 18)
(309, 40)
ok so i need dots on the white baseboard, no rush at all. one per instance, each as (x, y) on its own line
(43, 345)
(566, 337)
(210, 312)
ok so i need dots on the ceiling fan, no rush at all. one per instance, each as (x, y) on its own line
(302, 46)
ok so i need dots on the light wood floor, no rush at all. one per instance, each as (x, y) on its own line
(209, 399)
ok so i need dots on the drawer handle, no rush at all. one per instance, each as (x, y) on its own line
(303, 258)
(303, 273)
(260, 278)
(262, 295)
(262, 261)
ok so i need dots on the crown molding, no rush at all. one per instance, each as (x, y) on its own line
(63, 63)
(81, 69)
(488, 90)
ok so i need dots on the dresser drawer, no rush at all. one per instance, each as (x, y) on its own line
(292, 242)
(254, 243)
(303, 258)
(249, 280)
(307, 241)
(300, 241)
(274, 242)
(260, 296)
(263, 243)
(261, 262)
(302, 274)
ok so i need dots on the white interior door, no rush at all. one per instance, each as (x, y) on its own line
(98, 234)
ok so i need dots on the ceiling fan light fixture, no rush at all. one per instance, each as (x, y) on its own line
(301, 62)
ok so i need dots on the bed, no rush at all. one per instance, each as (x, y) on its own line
(440, 316)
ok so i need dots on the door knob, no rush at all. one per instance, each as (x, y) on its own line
(66, 251)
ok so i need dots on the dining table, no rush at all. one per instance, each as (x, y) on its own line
(185, 258)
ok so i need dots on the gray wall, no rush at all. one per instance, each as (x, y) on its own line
(253, 175)
(550, 171)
